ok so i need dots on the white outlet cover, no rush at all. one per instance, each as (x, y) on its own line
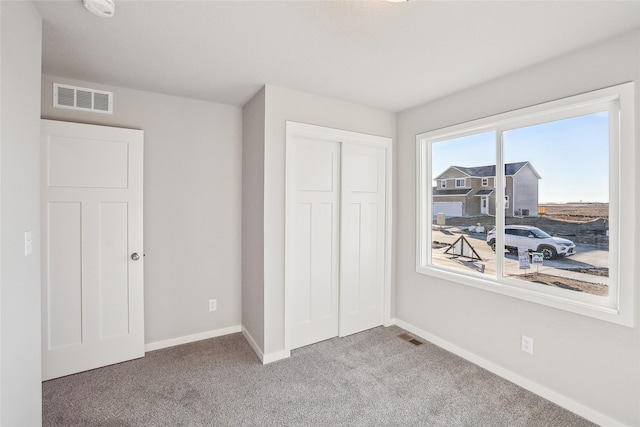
(527, 344)
(28, 243)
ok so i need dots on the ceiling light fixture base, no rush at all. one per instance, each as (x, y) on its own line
(102, 8)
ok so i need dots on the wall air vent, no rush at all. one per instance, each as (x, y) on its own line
(81, 98)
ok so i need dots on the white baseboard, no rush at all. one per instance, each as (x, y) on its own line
(274, 357)
(264, 358)
(191, 338)
(256, 348)
(553, 396)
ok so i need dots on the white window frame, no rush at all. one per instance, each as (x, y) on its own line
(443, 183)
(618, 306)
(485, 182)
(463, 182)
(506, 202)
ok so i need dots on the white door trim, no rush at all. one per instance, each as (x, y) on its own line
(294, 129)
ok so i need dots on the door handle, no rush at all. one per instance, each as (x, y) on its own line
(135, 256)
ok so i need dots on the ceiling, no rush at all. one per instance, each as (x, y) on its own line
(390, 56)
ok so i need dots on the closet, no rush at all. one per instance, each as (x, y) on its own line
(338, 223)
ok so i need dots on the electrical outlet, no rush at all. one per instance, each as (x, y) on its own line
(213, 305)
(527, 344)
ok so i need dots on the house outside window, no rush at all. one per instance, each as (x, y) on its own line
(476, 199)
(443, 183)
(582, 148)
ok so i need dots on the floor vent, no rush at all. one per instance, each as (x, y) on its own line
(409, 338)
(82, 98)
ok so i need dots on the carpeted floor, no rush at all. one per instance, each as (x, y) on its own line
(373, 378)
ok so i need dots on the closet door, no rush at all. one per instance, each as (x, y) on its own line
(362, 254)
(314, 226)
(336, 268)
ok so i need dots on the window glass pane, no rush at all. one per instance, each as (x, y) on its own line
(557, 203)
(580, 153)
(465, 211)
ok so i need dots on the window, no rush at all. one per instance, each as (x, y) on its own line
(558, 167)
(461, 182)
(443, 183)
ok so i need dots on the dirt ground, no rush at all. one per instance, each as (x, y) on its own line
(585, 223)
(579, 212)
(566, 283)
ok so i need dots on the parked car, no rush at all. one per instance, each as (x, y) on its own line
(534, 239)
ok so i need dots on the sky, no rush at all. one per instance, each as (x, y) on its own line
(571, 156)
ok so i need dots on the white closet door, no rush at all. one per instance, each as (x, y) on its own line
(363, 219)
(92, 281)
(315, 228)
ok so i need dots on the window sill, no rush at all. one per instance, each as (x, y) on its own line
(586, 305)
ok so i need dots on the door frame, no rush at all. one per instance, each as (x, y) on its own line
(295, 129)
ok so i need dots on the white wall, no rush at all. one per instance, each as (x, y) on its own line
(593, 366)
(192, 205)
(283, 105)
(253, 116)
(20, 369)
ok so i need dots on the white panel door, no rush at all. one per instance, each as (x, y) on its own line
(484, 204)
(314, 253)
(92, 275)
(363, 225)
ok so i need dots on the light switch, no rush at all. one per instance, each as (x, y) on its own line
(28, 243)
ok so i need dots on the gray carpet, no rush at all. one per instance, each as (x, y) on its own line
(372, 378)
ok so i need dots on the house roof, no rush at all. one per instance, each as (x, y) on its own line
(456, 192)
(510, 169)
(483, 192)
